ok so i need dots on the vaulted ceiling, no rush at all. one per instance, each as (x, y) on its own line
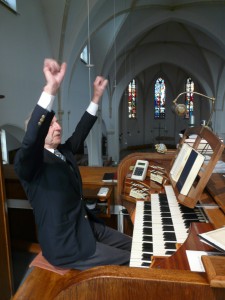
(127, 37)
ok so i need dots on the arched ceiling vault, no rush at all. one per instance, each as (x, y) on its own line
(141, 34)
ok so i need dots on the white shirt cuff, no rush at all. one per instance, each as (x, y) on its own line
(92, 108)
(46, 101)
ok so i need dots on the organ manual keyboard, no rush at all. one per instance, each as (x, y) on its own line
(160, 225)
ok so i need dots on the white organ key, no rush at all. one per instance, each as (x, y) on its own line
(180, 229)
(136, 250)
(157, 229)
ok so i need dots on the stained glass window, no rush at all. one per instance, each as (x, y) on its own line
(132, 99)
(160, 97)
(189, 100)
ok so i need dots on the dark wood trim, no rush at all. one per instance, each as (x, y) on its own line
(6, 282)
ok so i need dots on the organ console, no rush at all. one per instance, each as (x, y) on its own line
(164, 228)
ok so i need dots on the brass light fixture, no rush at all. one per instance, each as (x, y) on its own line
(181, 109)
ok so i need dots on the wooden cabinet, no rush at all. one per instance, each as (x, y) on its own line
(99, 204)
(92, 182)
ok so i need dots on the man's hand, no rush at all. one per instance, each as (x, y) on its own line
(54, 74)
(100, 84)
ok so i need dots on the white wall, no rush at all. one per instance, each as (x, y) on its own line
(24, 45)
(75, 100)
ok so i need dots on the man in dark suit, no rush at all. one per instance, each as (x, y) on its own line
(69, 235)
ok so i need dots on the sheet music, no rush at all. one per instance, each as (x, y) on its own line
(180, 162)
(195, 261)
(190, 171)
(215, 238)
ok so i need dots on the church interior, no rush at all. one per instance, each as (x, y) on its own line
(158, 57)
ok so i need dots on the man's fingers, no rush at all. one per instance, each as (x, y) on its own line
(101, 81)
(54, 74)
(63, 68)
(53, 66)
(104, 83)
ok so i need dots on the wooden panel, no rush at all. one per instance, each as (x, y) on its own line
(216, 187)
(114, 282)
(6, 284)
(215, 216)
(90, 176)
(215, 270)
(94, 175)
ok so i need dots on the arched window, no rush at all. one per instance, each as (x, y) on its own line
(189, 100)
(132, 99)
(11, 4)
(160, 97)
(84, 55)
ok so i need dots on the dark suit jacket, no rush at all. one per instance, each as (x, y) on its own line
(54, 190)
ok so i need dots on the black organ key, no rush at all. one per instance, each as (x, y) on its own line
(185, 209)
(165, 209)
(147, 247)
(165, 215)
(163, 196)
(147, 238)
(170, 252)
(147, 218)
(170, 245)
(147, 205)
(146, 256)
(169, 236)
(168, 228)
(147, 230)
(147, 224)
(190, 217)
(167, 221)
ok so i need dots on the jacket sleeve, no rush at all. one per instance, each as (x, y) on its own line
(29, 158)
(81, 132)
